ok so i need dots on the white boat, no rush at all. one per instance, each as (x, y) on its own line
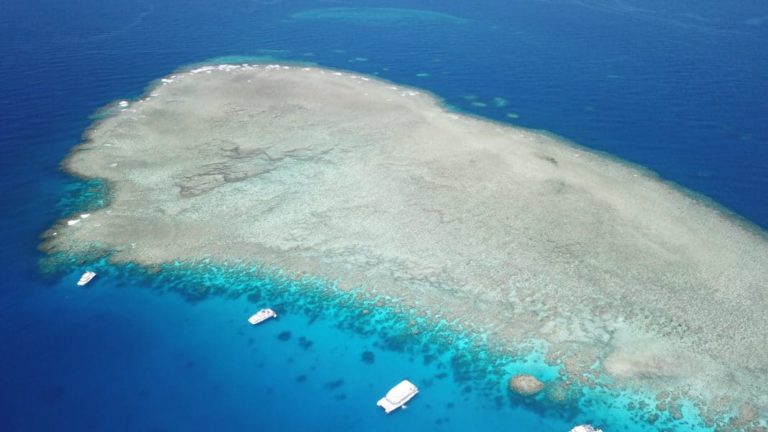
(398, 396)
(86, 277)
(262, 316)
(585, 428)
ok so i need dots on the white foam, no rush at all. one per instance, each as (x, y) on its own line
(201, 69)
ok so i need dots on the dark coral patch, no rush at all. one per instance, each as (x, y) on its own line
(333, 385)
(305, 343)
(368, 357)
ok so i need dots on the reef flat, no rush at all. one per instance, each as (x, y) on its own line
(512, 232)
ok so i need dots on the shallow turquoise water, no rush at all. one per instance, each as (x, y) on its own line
(321, 365)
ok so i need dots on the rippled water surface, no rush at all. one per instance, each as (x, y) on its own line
(677, 88)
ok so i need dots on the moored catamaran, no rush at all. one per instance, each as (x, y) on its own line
(86, 277)
(585, 428)
(397, 396)
(261, 316)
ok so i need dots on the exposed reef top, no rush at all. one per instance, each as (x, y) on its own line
(357, 180)
(525, 385)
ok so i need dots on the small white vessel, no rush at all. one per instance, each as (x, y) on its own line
(585, 428)
(397, 396)
(262, 316)
(86, 277)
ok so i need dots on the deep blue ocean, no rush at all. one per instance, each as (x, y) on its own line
(679, 87)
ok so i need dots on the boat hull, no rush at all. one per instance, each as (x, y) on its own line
(398, 396)
(261, 316)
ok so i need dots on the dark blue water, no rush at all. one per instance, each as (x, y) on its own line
(679, 88)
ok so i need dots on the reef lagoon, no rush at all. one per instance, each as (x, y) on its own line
(624, 271)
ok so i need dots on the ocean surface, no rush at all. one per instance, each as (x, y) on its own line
(677, 87)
